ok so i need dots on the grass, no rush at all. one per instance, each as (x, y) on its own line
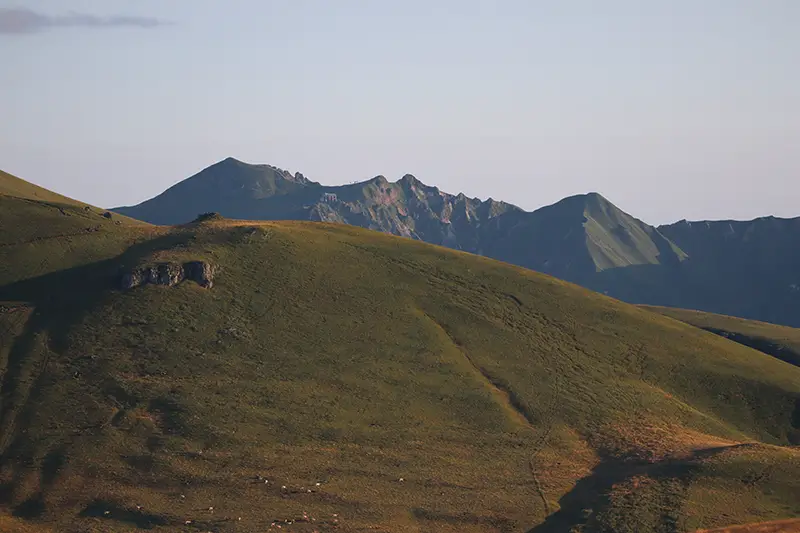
(19, 188)
(44, 232)
(376, 383)
(782, 342)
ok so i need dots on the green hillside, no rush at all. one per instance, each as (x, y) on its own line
(779, 341)
(42, 232)
(337, 379)
(19, 188)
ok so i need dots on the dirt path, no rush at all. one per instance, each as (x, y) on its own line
(512, 404)
(508, 399)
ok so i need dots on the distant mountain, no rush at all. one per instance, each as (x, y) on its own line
(232, 188)
(749, 269)
(778, 341)
(579, 237)
(262, 192)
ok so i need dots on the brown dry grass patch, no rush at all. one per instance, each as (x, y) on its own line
(781, 526)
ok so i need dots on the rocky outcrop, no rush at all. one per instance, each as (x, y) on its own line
(200, 272)
(169, 275)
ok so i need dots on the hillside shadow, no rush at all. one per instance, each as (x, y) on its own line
(590, 496)
(34, 507)
(60, 300)
(776, 350)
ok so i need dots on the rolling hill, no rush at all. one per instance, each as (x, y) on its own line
(12, 186)
(238, 376)
(41, 231)
(748, 269)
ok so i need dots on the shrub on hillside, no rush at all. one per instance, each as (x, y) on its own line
(208, 217)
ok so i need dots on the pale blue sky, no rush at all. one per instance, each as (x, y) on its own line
(670, 108)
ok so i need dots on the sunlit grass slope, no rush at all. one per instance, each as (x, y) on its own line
(41, 231)
(19, 188)
(337, 379)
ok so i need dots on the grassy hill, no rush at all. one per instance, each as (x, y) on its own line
(19, 188)
(779, 341)
(337, 379)
(41, 231)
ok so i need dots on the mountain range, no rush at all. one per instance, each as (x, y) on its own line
(749, 269)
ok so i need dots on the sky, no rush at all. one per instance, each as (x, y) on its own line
(672, 109)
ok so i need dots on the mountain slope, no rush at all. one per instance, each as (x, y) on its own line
(232, 188)
(367, 381)
(779, 341)
(410, 208)
(578, 237)
(747, 269)
(261, 192)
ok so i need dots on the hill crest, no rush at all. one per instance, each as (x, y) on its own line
(11, 185)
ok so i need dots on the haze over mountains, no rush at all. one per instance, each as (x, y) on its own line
(749, 269)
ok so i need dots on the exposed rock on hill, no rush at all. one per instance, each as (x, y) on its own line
(200, 272)
(169, 274)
